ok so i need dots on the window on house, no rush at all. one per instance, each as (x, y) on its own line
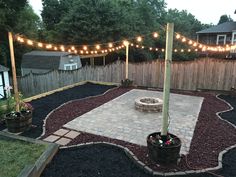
(221, 39)
(71, 66)
(1, 86)
(234, 38)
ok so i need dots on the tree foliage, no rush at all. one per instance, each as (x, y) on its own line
(225, 18)
(18, 18)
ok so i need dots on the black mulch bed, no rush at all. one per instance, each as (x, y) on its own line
(230, 115)
(43, 106)
(108, 161)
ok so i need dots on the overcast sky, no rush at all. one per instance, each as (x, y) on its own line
(206, 11)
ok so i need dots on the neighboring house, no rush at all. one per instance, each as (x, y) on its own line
(45, 61)
(221, 34)
(4, 81)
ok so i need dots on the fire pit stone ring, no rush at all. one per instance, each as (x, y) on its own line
(148, 104)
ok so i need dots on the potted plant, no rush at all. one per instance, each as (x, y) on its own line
(163, 147)
(126, 83)
(18, 120)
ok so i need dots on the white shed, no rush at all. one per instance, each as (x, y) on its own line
(4, 81)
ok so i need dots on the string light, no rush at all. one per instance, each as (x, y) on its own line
(181, 38)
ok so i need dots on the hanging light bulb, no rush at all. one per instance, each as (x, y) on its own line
(49, 46)
(98, 47)
(155, 35)
(139, 39)
(125, 42)
(85, 47)
(177, 36)
(40, 44)
(62, 48)
(72, 48)
(110, 45)
(29, 42)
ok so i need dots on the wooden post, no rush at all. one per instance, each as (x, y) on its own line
(126, 43)
(167, 77)
(13, 66)
(104, 60)
(92, 61)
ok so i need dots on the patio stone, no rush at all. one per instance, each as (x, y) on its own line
(118, 118)
(63, 141)
(61, 132)
(72, 134)
(51, 138)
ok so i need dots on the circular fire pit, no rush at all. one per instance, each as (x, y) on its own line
(148, 104)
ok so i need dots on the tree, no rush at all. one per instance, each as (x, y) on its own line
(225, 18)
(18, 18)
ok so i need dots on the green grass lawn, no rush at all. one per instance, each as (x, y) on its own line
(16, 154)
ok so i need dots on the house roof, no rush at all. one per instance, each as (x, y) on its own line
(226, 27)
(3, 68)
(42, 59)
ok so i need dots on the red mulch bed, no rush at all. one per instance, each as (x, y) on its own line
(211, 135)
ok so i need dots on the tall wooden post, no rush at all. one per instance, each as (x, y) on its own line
(13, 66)
(166, 94)
(104, 60)
(126, 43)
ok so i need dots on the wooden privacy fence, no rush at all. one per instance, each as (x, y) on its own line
(205, 73)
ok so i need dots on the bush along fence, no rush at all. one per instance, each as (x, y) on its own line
(205, 73)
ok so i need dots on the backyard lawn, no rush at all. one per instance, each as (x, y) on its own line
(16, 154)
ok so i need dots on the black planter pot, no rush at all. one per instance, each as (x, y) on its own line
(164, 154)
(19, 121)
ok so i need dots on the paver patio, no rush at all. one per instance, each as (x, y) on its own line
(118, 118)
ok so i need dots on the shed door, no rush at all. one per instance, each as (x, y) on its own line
(2, 93)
